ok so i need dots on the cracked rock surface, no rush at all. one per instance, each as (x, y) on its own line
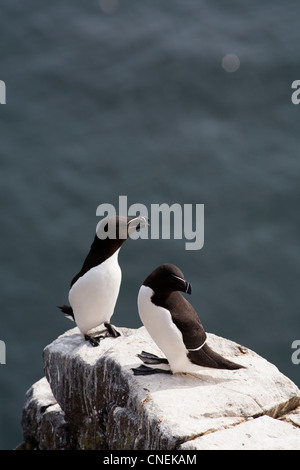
(90, 399)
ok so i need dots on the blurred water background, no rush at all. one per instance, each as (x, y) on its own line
(123, 97)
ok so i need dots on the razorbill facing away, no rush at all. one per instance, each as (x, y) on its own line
(174, 325)
(95, 289)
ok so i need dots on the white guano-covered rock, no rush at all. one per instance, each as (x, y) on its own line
(104, 406)
(263, 433)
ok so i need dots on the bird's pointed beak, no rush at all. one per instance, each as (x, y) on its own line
(182, 285)
(137, 223)
(188, 288)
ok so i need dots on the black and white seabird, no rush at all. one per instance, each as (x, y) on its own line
(174, 325)
(95, 289)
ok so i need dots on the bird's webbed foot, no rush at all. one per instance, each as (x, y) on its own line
(149, 358)
(93, 340)
(144, 370)
(111, 330)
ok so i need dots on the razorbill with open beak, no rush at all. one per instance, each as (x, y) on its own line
(174, 325)
(95, 289)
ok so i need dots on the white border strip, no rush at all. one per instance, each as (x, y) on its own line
(198, 349)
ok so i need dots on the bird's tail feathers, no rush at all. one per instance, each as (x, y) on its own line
(208, 358)
(68, 311)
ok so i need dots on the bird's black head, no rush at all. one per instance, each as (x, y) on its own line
(119, 228)
(111, 233)
(167, 278)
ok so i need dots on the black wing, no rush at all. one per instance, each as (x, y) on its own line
(187, 321)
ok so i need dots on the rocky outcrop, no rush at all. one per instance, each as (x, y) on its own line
(90, 399)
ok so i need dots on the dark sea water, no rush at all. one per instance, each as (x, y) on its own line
(130, 98)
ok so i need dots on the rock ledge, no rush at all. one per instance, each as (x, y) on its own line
(90, 399)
